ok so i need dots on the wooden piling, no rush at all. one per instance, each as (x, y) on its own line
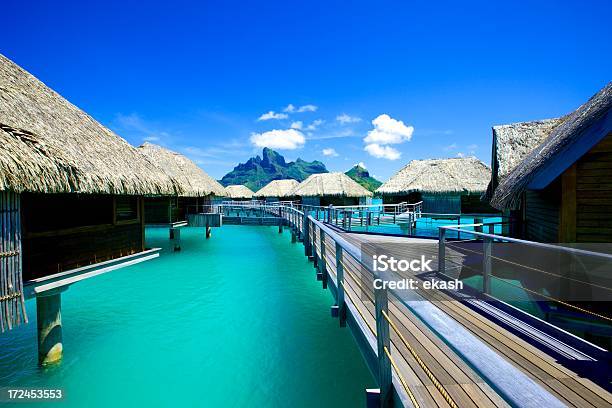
(49, 323)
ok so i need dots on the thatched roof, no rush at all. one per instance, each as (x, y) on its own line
(238, 191)
(50, 145)
(512, 143)
(561, 138)
(439, 176)
(191, 179)
(277, 188)
(330, 184)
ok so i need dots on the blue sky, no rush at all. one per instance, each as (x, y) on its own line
(196, 76)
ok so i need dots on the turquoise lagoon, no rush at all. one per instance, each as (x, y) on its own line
(238, 320)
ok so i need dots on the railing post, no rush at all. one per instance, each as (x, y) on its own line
(306, 228)
(383, 340)
(281, 220)
(486, 265)
(330, 209)
(344, 219)
(441, 250)
(322, 274)
(340, 308)
(315, 254)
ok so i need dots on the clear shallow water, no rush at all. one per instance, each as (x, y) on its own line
(237, 320)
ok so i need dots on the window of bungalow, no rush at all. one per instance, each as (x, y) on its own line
(126, 208)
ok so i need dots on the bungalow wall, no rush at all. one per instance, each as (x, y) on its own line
(577, 207)
(166, 210)
(65, 231)
(333, 200)
(541, 214)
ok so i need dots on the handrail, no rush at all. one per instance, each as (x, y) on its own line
(528, 243)
(477, 354)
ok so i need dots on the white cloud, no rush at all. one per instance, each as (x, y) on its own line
(362, 165)
(344, 119)
(382, 152)
(289, 139)
(151, 138)
(297, 124)
(273, 115)
(330, 152)
(315, 124)
(388, 131)
(460, 154)
(291, 108)
(307, 108)
(451, 146)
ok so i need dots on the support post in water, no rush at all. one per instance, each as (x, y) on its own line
(340, 307)
(322, 274)
(385, 380)
(49, 325)
(175, 237)
(208, 232)
(293, 237)
(441, 250)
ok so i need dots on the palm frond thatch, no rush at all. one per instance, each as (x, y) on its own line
(562, 137)
(512, 143)
(277, 188)
(50, 145)
(439, 176)
(238, 191)
(191, 179)
(330, 184)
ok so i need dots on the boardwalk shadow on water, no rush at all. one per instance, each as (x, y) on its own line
(235, 320)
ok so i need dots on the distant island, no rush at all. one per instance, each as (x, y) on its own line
(361, 175)
(259, 171)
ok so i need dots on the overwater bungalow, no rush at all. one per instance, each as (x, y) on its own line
(278, 190)
(554, 175)
(71, 197)
(331, 188)
(238, 192)
(445, 186)
(198, 191)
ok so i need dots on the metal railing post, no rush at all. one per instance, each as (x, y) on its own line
(441, 250)
(385, 380)
(486, 265)
(330, 209)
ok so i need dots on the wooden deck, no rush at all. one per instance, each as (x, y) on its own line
(498, 368)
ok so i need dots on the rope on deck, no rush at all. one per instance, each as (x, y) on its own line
(423, 366)
(401, 377)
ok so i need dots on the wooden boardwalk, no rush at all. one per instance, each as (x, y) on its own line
(498, 368)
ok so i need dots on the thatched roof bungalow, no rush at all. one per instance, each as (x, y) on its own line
(446, 186)
(559, 189)
(331, 188)
(238, 192)
(277, 190)
(197, 189)
(77, 186)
